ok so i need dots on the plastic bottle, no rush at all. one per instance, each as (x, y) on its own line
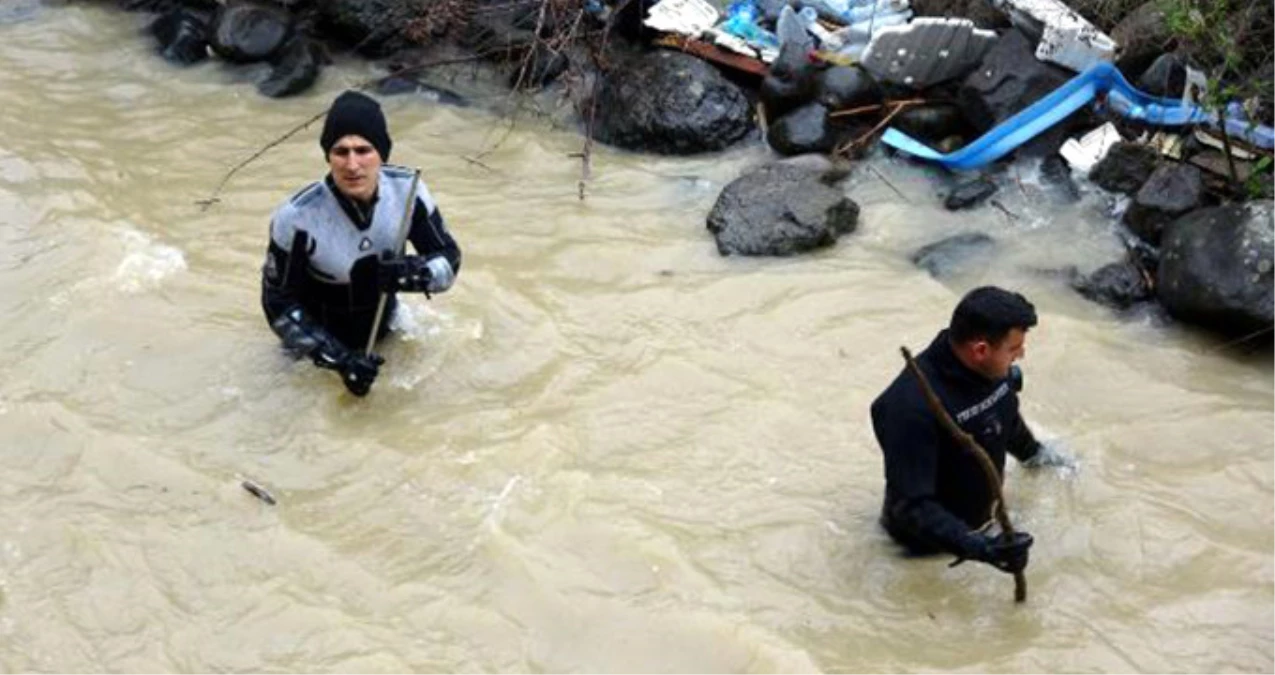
(881, 8)
(809, 18)
(741, 21)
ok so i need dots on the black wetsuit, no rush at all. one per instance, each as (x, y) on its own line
(935, 491)
(319, 282)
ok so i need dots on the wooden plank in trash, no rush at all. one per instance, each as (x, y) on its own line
(711, 52)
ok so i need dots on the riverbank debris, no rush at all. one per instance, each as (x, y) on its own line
(258, 492)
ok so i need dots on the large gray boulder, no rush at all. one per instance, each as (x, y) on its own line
(376, 28)
(1171, 191)
(248, 32)
(295, 69)
(182, 35)
(1143, 35)
(804, 130)
(1125, 168)
(952, 255)
(1215, 268)
(670, 103)
(782, 209)
(1119, 285)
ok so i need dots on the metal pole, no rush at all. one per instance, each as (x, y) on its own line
(403, 228)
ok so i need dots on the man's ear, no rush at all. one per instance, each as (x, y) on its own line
(980, 349)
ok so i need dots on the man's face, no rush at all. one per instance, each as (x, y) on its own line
(355, 166)
(993, 360)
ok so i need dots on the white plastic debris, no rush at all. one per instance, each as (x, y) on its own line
(685, 17)
(1196, 86)
(1085, 152)
(1066, 37)
(926, 51)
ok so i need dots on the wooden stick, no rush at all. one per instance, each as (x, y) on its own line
(989, 470)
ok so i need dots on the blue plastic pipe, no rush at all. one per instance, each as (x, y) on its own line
(1033, 120)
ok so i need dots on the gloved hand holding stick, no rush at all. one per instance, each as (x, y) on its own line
(989, 470)
(400, 242)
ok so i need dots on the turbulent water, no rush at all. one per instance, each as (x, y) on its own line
(606, 449)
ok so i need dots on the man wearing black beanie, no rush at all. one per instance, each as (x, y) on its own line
(332, 250)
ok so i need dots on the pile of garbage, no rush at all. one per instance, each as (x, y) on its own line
(839, 75)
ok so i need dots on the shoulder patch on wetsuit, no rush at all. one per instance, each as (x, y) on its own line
(397, 171)
(306, 194)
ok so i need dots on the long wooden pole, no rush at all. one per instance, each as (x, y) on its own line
(989, 470)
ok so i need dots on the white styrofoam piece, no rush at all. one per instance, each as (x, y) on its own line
(1085, 152)
(926, 51)
(686, 17)
(1066, 37)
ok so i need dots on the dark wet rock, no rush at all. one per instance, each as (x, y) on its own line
(396, 85)
(1143, 35)
(376, 28)
(844, 87)
(294, 70)
(182, 35)
(932, 123)
(802, 131)
(1119, 285)
(1165, 77)
(1009, 79)
(791, 82)
(782, 209)
(1215, 268)
(248, 32)
(1056, 173)
(1172, 190)
(542, 68)
(969, 193)
(1125, 168)
(165, 6)
(671, 103)
(981, 12)
(949, 256)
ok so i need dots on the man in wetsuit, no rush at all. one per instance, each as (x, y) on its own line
(936, 494)
(332, 248)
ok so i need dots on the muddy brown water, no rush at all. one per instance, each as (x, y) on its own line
(607, 449)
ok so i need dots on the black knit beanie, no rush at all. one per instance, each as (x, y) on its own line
(356, 114)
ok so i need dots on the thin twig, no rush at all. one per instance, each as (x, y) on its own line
(213, 198)
(1241, 340)
(873, 107)
(478, 162)
(997, 203)
(967, 442)
(898, 107)
(885, 180)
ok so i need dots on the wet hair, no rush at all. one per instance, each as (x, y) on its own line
(989, 313)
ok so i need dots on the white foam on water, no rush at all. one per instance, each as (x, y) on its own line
(146, 263)
(416, 321)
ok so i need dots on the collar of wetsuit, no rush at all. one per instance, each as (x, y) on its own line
(945, 361)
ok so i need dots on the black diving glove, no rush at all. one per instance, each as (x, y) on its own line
(409, 273)
(359, 372)
(1005, 552)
